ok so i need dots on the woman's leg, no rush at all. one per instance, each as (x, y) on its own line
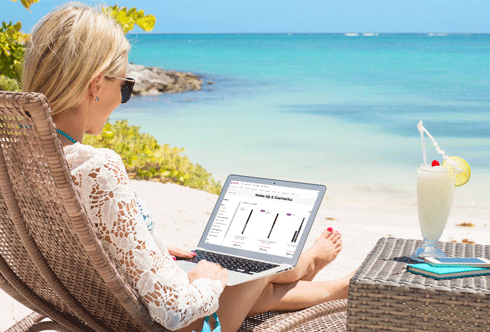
(300, 295)
(234, 304)
(323, 252)
(258, 296)
(237, 301)
(285, 291)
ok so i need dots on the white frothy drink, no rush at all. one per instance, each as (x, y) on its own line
(452, 163)
(435, 193)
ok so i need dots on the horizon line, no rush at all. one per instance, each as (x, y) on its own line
(352, 33)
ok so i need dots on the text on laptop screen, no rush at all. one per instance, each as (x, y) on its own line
(262, 218)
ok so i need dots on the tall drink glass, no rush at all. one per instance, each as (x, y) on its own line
(435, 193)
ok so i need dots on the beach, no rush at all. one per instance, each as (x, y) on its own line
(181, 214)
(332, 109)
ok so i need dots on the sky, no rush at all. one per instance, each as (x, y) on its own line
(287, 16)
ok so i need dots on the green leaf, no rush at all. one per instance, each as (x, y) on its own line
(146, 23)
(9, 84)
(127, 18)
(133, 12)
(27, 3)
(18, 26)
(12, 49)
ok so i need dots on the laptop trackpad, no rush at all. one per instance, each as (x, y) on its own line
(186, 266)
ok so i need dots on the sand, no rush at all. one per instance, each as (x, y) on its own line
(181, 214)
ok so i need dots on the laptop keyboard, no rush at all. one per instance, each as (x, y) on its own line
(231, 263)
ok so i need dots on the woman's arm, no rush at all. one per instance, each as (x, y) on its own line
(171, 298)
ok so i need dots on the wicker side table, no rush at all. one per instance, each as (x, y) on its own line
(384, 296)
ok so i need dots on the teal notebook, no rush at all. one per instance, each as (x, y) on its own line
(446, 272)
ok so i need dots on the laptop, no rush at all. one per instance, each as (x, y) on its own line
(258, 227)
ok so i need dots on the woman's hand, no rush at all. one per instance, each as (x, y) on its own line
(207, 270)
(177, 252)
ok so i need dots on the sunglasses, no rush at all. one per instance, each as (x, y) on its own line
(126, 89)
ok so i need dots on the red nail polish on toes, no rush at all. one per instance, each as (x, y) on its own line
(330, 229)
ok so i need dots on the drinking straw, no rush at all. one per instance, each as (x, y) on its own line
(421, 128)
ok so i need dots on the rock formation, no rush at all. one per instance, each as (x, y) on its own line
(155, 81)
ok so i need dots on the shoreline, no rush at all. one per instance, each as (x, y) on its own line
(181, 214)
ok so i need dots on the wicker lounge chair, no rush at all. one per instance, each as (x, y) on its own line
(50, 258)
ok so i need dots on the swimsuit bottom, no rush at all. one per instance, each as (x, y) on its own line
(207, 328)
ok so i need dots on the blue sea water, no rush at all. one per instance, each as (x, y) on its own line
(330, 108)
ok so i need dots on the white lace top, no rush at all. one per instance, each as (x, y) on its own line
(125, 226)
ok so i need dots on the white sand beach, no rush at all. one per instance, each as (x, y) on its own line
(181, 214)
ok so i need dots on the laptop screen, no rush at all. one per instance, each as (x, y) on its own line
(263, 217)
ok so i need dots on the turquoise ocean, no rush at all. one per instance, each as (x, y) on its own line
(336, 109)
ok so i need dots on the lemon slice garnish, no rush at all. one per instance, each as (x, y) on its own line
(462, 174)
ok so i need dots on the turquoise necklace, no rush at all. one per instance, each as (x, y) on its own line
(66, 135)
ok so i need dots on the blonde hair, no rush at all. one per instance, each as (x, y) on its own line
(69, 47)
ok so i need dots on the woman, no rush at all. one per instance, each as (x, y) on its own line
(77, 58)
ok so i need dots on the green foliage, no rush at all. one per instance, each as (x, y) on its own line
(9, 84)
(27, 3)
(128, 18)
(144, 158)
(12, 40)
(12, 50)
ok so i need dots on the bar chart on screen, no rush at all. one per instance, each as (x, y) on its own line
(253, 222)
(266, 219)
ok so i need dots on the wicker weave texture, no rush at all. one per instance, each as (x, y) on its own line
(331, 323)
(54, 225)
(11, 247)
(329, 316)
(384, 296)
(26, 323)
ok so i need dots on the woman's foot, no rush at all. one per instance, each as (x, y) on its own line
(323, 252)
